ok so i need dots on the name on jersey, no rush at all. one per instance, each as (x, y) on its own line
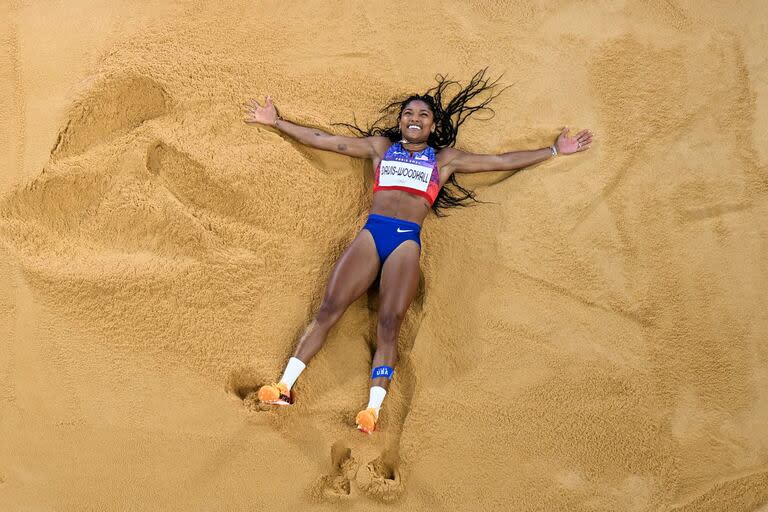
(404, 174)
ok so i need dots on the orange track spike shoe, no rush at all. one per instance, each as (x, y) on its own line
(366, 420)
(275, 394)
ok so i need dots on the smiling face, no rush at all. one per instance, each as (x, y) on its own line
(417, 121)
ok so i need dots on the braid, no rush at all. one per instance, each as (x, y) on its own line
(447, 118)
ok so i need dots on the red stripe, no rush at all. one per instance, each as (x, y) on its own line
(425, 195)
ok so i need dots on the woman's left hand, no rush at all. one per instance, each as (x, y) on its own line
(566, 145)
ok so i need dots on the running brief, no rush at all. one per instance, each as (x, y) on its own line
(416, 174)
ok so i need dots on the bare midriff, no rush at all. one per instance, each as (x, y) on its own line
(400, 205)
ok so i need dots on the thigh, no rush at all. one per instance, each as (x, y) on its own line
(354, 271)
(399, 279)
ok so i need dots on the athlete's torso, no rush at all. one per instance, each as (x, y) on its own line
(412, 172)
(406, 183)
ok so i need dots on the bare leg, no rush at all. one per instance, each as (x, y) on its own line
(352, 275)
(399, 283)
(398, 286)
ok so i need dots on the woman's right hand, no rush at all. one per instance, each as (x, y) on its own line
(256, 114)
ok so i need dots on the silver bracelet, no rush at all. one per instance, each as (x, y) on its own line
(553, 150)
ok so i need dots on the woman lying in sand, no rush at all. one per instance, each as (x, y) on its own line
(413, 159)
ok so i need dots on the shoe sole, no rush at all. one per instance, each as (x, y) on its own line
(369, 432)
(276, 402)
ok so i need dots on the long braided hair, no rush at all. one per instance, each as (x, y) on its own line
(448, 119)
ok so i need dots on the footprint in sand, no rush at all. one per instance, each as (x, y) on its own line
(244, 383)
(380, 480)
(337, 485)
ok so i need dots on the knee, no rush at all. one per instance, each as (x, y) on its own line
(389, 321)
(330, 311)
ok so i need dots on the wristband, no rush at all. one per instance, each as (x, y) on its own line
(553, 150)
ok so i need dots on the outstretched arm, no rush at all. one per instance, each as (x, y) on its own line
(361, 147)
(462, 161)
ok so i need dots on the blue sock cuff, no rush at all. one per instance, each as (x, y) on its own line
(382, 371)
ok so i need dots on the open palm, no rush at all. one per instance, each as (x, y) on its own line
(567, 145)
(256, 114)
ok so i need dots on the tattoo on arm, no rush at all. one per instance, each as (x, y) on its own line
(342, 147)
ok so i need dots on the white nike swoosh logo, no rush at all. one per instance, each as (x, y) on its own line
(404, 230)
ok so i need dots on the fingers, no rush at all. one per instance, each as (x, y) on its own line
(249, 107)
(255, 113)
(583, 140)
(582, 134)
(254, 103)
(573, 144)
(252, 109)
(249, 115)
(584, 137)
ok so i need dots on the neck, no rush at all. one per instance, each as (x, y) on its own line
(414, 146)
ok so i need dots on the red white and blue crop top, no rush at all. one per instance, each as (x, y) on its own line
(416, 174)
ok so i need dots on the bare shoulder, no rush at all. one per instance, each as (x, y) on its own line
(446, 155)
(380, 144)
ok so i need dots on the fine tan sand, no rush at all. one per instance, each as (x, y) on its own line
(594, 340)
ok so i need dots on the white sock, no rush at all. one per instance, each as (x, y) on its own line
(292, 371)
(377, 395)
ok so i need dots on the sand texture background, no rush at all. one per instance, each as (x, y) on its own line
(593, 341)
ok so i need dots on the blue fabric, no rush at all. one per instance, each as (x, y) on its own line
(388, 233)
(382, 371)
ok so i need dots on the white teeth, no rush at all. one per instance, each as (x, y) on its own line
(414, 126)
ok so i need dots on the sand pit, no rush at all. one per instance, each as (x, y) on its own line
(594, 340)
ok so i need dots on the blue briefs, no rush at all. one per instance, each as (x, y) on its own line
(388, 233)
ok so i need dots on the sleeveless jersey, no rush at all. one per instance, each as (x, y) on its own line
(417, 174)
